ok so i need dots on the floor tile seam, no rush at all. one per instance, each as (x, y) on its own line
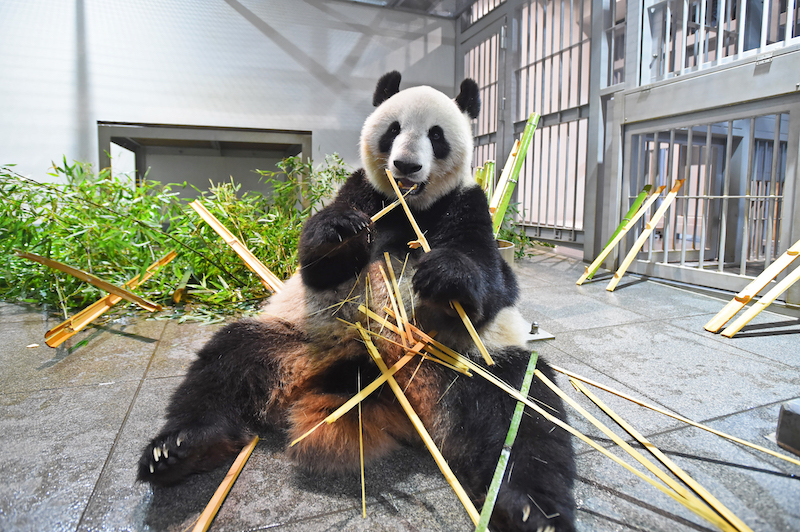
(718, 339)
(737, 351)
(620, 384)
(67, 387)
(740, 351)
(642, 504)
(345, 510)
(599, 299)
(121, 429)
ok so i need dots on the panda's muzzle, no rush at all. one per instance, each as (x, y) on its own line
(404, 170)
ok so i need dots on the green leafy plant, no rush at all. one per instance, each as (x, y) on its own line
(114, 229)
(515, 233)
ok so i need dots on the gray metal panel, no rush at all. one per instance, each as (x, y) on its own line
(742, 82)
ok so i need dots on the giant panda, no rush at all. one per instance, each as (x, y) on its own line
(297, 361)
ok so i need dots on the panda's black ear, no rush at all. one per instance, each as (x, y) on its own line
(388, 86)
(469, 100)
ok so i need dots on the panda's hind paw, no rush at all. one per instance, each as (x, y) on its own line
(521, 512)
(163, 461)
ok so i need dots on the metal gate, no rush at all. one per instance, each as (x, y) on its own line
(728, 222)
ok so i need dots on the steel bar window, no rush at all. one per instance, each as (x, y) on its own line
(553, 80)
(685, 35)
(727, 217)
(481, 64)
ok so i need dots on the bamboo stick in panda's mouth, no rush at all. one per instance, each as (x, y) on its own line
(423, 242)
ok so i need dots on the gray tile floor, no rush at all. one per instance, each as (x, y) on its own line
(73, 421)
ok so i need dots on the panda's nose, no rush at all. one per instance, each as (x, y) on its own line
(407, 168)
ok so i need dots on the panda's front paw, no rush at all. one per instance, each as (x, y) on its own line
(517, 511)
(444, 275)
(335, 225)
(164, 460)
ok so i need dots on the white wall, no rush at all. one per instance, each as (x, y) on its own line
(271, 64)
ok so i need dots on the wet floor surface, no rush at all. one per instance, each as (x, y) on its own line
(73, 421)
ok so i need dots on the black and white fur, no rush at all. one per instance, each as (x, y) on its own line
(296, 362)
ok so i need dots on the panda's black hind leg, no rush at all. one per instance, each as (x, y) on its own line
(222, 400)
(536, 492)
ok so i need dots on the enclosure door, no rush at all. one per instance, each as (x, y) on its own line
(734, 214)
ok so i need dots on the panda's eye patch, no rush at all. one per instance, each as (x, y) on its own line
(386, 140)
(441, 148)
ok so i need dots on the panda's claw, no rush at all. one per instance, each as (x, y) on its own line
(163, 459)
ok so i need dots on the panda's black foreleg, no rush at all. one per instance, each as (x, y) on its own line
(536, 490)
(224, 396)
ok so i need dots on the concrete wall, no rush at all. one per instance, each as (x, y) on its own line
(273, 64)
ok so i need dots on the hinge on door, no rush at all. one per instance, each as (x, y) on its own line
(503, 37)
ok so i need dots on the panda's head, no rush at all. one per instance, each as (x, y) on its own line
(422, 136)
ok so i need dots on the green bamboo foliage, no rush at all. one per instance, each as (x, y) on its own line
(114, 229)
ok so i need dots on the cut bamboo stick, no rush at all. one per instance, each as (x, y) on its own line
(423, 432)
(472, 332)
(502, 463)
(502, 182)
(674, 416)
(361, 455)
(66, 329)
(619, 236)
(393, 301)
(420, 235)
(181, 289)
(694, 505)
(426, 247)
(505, 189)
(222, 491)
(672, 466)
(751, 290)
(268, 279)
(682, 494)
(91, 279)
(360, 396)
(651, 225)
(765, 301)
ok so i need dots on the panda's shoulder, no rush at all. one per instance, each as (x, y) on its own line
(358, 193)
(465, 199)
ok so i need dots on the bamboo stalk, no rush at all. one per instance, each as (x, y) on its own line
(426, 247)
(639, 457)
(699, 509)
(472, 332)
(420, 235)
(361, 455)
(393, 301)
(626, 220)
(178, 294)
(672, 466)
(751, 290)
(651, 225)
(506, 190)
(222, 491)
(502, 183)
(417, 422)
(675, 416)
(502, 463)
(91, 279)
(613, 243)
(398, 296)
(386, 210)
(66, 329)
(268, 279)
(360, 396)
(762, 303)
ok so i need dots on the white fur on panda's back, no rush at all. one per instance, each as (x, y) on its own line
(417, 109)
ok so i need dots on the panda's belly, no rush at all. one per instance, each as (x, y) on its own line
(324, 315)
